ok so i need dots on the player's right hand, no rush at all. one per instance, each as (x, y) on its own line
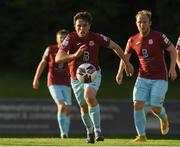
(80, 51)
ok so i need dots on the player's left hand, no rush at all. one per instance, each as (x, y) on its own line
(80, 51)
(172, 74)
(129, 69)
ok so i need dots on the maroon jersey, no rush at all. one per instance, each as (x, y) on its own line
(178, 44)
(150, 51)
(91, 55)
(58, 74)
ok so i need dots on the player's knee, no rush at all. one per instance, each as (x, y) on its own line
(67, 109)
(90, 93)
(84, 108)
(91, 101)
(138, 105)
(90, 97)
(60, 106)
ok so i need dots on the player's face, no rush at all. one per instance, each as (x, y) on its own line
(60, 38)
(82, 28)
(143, 24)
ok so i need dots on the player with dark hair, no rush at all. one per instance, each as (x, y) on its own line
(58, 81)
(152, 81)
(83, 46)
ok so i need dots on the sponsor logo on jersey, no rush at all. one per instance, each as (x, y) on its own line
(166, 40)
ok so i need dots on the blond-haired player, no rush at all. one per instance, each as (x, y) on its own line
(152, 81)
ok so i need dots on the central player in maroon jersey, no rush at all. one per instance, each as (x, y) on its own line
(80, 47)
(151, 85)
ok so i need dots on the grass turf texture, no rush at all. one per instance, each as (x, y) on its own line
(19, 85)
(82, 142)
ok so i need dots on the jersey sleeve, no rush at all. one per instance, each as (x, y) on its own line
(103, 40)
(66, 45)
(165, 42)
(128, 48)
(46, 54)
(178, 44)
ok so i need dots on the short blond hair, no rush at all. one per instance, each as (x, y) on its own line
(144, 12)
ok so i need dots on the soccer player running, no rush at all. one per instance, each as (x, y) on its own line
(178, 52)
(58, 81)
(83, 46)
(152, 81)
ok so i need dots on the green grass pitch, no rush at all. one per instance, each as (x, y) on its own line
(54, 141)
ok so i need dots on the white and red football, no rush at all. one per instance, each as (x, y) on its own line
(86, 73)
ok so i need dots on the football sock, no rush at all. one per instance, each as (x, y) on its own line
(87, 122)
(140, 120)
(61, 122)
(162, 114)
(94, 113)
(67, 124)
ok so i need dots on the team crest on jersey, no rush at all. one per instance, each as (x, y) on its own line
(91, 43)
(150, 41)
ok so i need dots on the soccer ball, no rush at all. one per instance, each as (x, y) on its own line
(86, 73)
